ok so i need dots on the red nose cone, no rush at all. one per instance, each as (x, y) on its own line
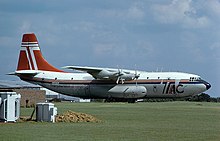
(30, 37)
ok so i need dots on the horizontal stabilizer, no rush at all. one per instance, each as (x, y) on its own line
(25, 72)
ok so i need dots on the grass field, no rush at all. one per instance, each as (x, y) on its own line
(165, 121)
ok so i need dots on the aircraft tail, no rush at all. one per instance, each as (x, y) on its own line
(30, 57)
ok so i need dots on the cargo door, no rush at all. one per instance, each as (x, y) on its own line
(87, 91)
(177, 81)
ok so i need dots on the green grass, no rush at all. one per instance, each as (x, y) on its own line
(185, 121)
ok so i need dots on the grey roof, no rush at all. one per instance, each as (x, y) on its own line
(5, 84)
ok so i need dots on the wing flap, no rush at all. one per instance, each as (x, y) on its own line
(84, 69)
(94, 71)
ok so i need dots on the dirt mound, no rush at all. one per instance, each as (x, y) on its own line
(71, 116)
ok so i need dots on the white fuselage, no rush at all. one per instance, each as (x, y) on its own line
(149, 84)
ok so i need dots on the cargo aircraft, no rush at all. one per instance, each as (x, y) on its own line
(103, 83)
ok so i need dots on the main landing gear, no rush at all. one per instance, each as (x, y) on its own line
(120, 100)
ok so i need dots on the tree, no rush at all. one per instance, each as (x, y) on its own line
(204, 97)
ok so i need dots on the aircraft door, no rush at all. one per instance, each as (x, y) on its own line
(87, 90)
(177, 81)
(179, 87)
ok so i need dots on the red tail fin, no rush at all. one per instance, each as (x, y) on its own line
(30, 57)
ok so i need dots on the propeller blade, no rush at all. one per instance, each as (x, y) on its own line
(117, 80)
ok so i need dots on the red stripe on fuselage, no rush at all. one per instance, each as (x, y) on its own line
(94, 81)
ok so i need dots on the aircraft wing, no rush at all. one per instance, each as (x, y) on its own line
(106, 73)
(94, 71)
(89, 70)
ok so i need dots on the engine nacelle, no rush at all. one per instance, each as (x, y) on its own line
(127, 91)
(105, 74)
(130, 76)
(113, 75)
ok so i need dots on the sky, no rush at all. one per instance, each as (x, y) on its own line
(149, 35)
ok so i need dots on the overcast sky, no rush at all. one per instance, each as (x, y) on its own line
(151, 35)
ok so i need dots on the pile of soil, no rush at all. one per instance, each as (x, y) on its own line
(71, 116)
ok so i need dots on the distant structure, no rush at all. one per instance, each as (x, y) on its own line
(30, 94)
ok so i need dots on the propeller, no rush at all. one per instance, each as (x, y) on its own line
(123, 75)
(119, 74)
(136, 75)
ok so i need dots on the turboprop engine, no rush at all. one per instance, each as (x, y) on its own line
(127, 91)
(117, 76)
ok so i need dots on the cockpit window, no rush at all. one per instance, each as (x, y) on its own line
(194, 78)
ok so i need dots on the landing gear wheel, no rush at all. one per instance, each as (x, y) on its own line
(131, 100)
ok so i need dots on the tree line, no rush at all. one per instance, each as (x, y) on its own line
(203, 97)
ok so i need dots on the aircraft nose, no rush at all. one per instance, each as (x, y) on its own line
(208, 85)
